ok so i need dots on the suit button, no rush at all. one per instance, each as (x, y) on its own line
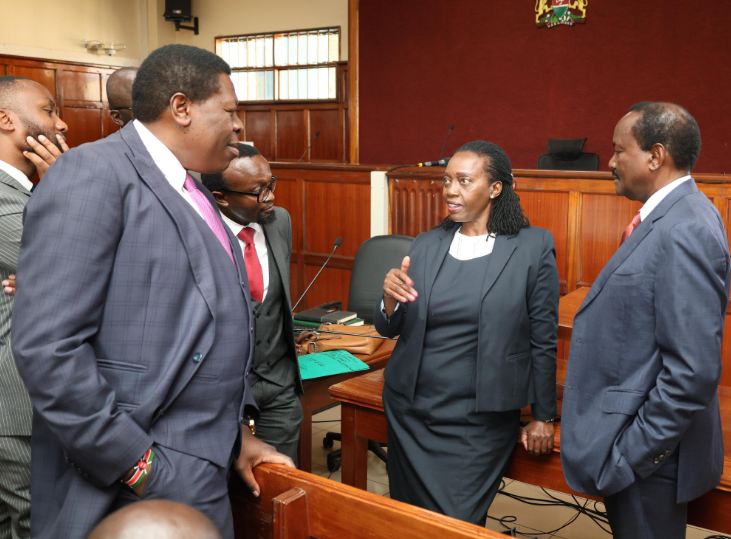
(269, 312)
(668, 453)
(251, 329)
(197, 358)
(656, 461)
(269, 340)
(661, 457)
(257, 315)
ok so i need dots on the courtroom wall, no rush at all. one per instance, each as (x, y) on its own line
(232, 17)
(56, 30)
(487, 68)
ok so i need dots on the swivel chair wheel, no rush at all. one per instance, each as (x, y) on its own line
(333, 462)
(327, 443)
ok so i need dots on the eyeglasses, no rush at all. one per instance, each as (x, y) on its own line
(262, 195)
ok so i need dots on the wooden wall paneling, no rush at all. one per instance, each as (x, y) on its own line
(416, 205)
(353, 72)
(43, 76)
(108, 125)
(329, 145)
(332, 285)
(291, 134)
(603, 219)
(80, 86)
(550, 211)
(258, 128)
(3, 69)
(726, 353)
(85, 124)
(573, 231)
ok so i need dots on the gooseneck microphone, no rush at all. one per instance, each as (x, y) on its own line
(446, 140)
(310, 146)
(338, 243)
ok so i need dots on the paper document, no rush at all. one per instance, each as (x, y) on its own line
(327, 363)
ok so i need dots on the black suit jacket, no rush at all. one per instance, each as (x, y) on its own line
(517, 332)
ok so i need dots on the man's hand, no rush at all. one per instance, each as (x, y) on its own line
(46, 152)
(253, 453)
(398, 287)
(537, 437)
(9, 285)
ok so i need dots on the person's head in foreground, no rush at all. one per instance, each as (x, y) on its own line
(119, 95)
(156, 519)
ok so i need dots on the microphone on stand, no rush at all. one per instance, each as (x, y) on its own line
(310, 146)
(445, 141)
(440, 163)
(338, 243)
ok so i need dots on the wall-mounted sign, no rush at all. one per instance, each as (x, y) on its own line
(551, 13)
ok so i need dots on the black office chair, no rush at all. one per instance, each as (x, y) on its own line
(566, 154)
(375, 257)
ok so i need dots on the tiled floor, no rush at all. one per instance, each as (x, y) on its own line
(543, 521)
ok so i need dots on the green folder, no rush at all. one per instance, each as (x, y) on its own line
(329, 363)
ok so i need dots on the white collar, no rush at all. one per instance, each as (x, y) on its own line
(17, 175)
(659, 195)
(238, 227)
(162, 156)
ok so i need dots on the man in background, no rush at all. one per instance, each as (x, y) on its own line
(245, 196)
(28, 119)
(119, 95)
(641, 419)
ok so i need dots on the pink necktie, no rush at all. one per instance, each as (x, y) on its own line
(636, 220)
(209, 214)
(253, 266)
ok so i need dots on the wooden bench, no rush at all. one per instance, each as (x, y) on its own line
(297, 505)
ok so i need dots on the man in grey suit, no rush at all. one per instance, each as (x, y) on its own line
(27, 109)
(131, 326)
(245, 196)
(641, 420)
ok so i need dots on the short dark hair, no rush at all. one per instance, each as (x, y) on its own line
(506, 215)
(215, 181)
(7, 90)
(670, 125)
(172, 69)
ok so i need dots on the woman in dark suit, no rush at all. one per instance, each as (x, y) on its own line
(476, 307)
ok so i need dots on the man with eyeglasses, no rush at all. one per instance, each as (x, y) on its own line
(119, 95)
(245, 196)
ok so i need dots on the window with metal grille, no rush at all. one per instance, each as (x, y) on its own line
(282, 66)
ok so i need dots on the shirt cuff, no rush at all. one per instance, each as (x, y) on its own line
(383, 310)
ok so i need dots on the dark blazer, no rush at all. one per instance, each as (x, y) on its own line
(645, 358)
(278, 235)
(15, 408)
(115, 315)
(517, 332)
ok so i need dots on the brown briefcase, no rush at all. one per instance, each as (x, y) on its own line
(310, 342)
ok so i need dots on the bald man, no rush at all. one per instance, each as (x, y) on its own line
(156, 519)
(119, 95)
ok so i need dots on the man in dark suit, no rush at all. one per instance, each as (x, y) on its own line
(132, 326)
(27, 109)
(245, 195)
(641, 420)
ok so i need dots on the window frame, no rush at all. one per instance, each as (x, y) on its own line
(337, 65)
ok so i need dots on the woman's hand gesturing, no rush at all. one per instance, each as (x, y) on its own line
(398, 287)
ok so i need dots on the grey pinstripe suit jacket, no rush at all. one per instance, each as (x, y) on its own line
(15, 408)
(118, 302)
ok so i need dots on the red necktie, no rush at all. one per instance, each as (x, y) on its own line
(253, 267)
(636, 220)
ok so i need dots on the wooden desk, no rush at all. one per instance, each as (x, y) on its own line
(363, 419)
(567, 307)
(317, 396)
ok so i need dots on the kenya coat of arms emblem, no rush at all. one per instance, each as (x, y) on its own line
(554, 12)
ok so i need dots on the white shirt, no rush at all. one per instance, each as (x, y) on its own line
(469, 247)
(17, 175)
(260, 243)
(658, 197)
(167, 163)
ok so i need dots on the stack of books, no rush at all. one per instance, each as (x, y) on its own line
(314, 318)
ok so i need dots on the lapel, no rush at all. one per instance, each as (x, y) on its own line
(276, 246)
(8, 180)
(501, 253)
(645, 227)
(180, 212)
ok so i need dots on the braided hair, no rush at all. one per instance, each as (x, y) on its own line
(506, 215)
